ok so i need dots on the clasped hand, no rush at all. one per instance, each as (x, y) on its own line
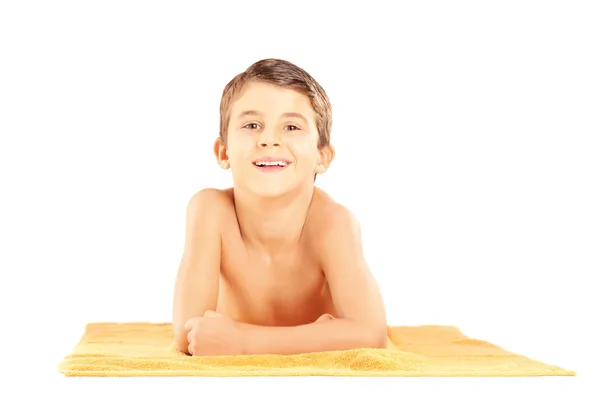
(214, 334)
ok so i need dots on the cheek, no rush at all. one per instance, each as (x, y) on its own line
(303, 146)
(233, 155)
(236, 149)
(307, 160)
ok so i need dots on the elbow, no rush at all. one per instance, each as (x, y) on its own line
(371, 335)
(380, 342)
(182, 346)
(377, 338)
(181, 342)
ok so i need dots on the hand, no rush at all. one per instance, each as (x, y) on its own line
(325, 317)
(214, 334)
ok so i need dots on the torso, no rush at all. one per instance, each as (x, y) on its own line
(272, 290)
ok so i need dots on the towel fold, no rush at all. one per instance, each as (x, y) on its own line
(146, 349)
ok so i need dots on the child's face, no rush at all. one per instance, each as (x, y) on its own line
(270, 121)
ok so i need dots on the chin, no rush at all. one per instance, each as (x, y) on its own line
(270, 185)
(271, 188)
(270, 191)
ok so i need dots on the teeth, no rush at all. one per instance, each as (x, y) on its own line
(271, 163)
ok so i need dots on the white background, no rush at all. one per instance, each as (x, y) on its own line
(467, 142)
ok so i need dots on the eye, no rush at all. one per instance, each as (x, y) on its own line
(292, 126)
(251, 124)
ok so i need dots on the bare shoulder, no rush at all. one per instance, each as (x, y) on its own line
(331, 222)
(328, 213)
(207, 206)
(208, 200)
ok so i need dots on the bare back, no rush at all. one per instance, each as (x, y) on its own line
(280, 289)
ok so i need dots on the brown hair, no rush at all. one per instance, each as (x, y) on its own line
(284, 74)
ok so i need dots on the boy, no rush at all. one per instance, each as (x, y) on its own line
(274, 265)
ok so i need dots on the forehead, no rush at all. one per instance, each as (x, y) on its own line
(271, 99)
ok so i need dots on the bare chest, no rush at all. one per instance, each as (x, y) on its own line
(277, 289)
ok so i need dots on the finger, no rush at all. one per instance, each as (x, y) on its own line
(325, 317)
(190, 349)
(190, 336)
(190, 323)
(211, 313)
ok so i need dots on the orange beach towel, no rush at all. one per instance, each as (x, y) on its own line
(146, 349)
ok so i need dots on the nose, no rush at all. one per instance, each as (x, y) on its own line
(268, 138)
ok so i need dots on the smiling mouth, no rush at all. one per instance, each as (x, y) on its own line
(280, 163)
(271, 164)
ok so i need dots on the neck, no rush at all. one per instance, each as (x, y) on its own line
(276, 223)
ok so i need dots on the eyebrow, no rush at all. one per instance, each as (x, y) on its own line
(287, 115)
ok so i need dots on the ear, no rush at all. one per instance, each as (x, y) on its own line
(221, 153)
(326, 156)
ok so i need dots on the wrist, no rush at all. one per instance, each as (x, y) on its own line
(245, 337)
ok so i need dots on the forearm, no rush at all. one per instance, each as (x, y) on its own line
(337, 334)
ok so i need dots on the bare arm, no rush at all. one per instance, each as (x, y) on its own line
(356, 295)
(197, 284)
